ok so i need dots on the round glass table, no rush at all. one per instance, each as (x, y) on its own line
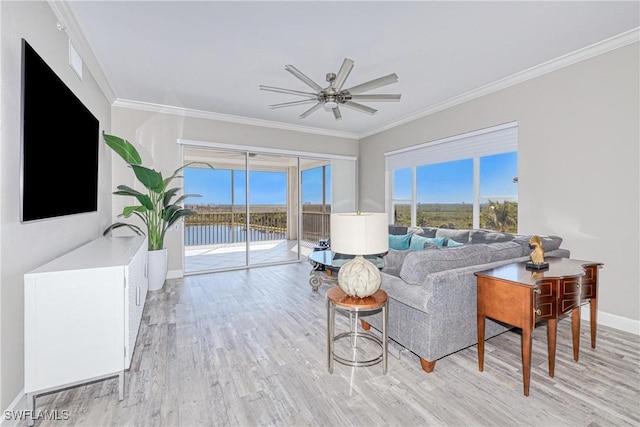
(326, 265)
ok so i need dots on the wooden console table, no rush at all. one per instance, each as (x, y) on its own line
(521, 297)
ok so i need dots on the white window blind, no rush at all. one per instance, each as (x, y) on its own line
(484, 142)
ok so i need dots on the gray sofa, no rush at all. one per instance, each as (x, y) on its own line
(432, 291)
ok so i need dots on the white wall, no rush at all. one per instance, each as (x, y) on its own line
(26, 246)
(156, 135)
(578, 164)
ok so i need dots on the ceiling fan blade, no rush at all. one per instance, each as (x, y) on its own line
(359, 107)
(289, 91)
(336, 113)
(293, 103)
(377, 98)
(343, 73)
(310, 110)
(374, 84)
(293, 70)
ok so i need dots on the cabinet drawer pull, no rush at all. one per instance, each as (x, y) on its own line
(537, 311)
(536, 290)
(137, 295)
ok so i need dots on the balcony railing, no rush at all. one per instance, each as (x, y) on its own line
(231, 227)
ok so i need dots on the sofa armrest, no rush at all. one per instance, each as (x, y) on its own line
(457, 289)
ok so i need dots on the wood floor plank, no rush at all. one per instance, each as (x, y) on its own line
(248, 348)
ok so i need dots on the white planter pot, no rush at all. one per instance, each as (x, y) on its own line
(157, 269)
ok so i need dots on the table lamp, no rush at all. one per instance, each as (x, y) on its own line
(359, 233)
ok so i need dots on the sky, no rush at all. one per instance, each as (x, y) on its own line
(265, 188)
(452, 182)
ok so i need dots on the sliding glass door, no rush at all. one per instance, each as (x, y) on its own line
(259, 208)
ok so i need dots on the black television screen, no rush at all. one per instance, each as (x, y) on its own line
(60, 139)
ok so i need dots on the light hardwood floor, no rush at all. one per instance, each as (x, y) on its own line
(248, 348)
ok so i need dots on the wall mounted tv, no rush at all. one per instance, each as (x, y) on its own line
(60, 139)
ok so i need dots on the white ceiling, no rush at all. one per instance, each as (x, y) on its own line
(213, 55)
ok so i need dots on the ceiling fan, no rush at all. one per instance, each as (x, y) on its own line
(333, 96)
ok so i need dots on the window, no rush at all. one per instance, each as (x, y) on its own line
(467, 181)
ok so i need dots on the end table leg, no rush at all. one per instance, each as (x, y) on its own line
(330, 333)
(385, 336)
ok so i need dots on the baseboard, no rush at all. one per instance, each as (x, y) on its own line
(613, 321)
(16, 411)
(175, 274)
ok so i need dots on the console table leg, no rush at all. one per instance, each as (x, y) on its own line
(552, 331)
(593, 305)
(575, 332)
(480, 342)
(526, 359)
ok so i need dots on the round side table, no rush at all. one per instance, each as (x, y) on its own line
(336, 298)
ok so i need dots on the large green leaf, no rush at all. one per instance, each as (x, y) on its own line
(179, 214)
(169, 211)
(168, 195)
(186, 196)
(142, 198)
(123, 148)
(125, 190)
(149, 178)
(128, 210)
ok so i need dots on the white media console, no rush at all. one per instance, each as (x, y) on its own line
(82, 315)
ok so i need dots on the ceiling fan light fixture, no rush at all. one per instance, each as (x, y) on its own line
(333, 96)
(330, 103)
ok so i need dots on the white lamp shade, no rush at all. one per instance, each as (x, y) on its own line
(362, 233)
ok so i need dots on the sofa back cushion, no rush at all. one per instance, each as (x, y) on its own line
(504, 250)
(418, 265)
(488, 236)
(549, 243)
(398, 229)
(460, 236)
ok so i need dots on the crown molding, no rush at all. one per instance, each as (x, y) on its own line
(65, 16)
(604, 46)
(200, 114)
(70, 25)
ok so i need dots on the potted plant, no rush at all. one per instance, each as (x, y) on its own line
(157, 209)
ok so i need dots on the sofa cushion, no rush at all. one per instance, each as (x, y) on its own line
(418, 265)
(504, 250)
(549, 243)
(452, 243)
(488, 236)
(399, 242)
(397, 229)
(419, 242)
(393, 260)
(415, 230)
(460, 236)
(428, 231)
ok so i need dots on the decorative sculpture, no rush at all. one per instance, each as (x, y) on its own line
(537, 256)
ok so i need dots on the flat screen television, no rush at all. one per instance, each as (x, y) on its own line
(60, 141)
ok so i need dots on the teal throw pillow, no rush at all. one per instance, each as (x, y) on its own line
(452, 243)
(417, 242)
(399, 242)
